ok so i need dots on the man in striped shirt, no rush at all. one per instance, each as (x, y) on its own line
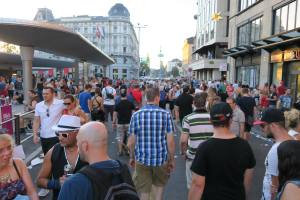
(152, 146)
(196, 128)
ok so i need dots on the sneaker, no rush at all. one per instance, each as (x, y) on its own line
(43, 192)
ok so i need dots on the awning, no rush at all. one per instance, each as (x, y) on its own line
(239, 51)
(205, 47)
(14, 60)
(51, 38)
(278, 41)
(269, 44)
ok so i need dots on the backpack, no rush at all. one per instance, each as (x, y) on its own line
(109, 95)
(115, 185)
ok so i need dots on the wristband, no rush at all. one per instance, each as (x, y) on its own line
(53, 184)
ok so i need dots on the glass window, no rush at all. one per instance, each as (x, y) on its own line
(277, 73)
(298, 14)
(283, 21)
(246, 3)
(277, 21)
(249, 32)
(124, 73)
(115, 73)
(291, 16)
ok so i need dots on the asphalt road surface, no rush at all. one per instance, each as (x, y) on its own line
(176, 187)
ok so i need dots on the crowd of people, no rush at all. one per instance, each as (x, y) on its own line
(74, 121)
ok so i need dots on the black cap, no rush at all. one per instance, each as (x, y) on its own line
(270, 115)
(220, 112)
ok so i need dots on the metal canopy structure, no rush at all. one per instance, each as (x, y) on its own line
(16, 61)
(202, 49)
(51, 38)
(279, 41)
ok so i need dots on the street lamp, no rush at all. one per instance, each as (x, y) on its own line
(139, 27)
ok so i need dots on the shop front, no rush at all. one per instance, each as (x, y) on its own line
(285, 65)
(247, 70)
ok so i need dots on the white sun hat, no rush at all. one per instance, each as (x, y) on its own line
(67, 123)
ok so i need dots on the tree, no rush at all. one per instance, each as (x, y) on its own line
(144, 68)
(8, 48)
(175, 71)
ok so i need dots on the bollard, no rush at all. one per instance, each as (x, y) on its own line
(17, 129)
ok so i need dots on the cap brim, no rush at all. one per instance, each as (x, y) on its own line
(259, 122)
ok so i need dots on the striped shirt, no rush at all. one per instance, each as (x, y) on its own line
(150, 125)
(199, 128)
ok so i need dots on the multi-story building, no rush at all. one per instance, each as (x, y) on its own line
(113, 34)
(264, 42)
(211, 40)
(187, 54)
(173, 63)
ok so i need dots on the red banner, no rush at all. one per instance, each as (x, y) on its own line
(6, 114)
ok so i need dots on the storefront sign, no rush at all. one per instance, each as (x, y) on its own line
(292, 54)
(276, 56)
(6, 114)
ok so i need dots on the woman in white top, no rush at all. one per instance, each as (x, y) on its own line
(292, 121)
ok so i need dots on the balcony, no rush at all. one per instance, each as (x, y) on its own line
(205, 63)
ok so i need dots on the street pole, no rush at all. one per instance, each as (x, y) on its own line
(139, 27)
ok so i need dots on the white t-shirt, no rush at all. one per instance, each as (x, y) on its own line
(106, 90)
(49, 116)
(293, 133)
(271, 164)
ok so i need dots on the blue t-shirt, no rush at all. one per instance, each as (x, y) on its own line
(78, 186)
(286, 101)
(83, 101)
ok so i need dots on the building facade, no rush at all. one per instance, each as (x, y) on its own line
(211, 40)
(113, 34)
(187, 55)
(264, 44)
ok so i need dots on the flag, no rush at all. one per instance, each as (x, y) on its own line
(102, 32)
(216, 16)
(98, 33)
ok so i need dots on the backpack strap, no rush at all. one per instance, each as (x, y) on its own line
(99, 180)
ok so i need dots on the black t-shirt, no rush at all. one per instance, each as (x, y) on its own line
(184, 102)
(247, 105)
(272, 101)
(124, 110)
(223, 163)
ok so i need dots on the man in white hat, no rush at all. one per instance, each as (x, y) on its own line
(62, 159)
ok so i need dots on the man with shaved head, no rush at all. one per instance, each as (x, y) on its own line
(92, 146)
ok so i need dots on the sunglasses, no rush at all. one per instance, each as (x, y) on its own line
(66, 104)
(263, 125)
(63, 134)
(48, 114)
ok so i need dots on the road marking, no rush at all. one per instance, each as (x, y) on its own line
(26, 139)
(33, 154)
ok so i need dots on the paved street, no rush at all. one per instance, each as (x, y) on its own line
(176, 188)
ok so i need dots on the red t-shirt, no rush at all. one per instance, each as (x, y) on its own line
(137, 95)
(281, 90)
(264, 102)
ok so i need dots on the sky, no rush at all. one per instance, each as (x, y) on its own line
(169, 22)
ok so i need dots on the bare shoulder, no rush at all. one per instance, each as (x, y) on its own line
(19, 163)
(291, 192)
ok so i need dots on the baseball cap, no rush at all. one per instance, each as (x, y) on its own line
(270, 115)
(220, 112)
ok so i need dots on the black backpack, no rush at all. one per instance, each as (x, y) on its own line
(109, 95)
(115, 185)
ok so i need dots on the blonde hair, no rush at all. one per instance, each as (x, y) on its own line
(7, 138)
(292, 118)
